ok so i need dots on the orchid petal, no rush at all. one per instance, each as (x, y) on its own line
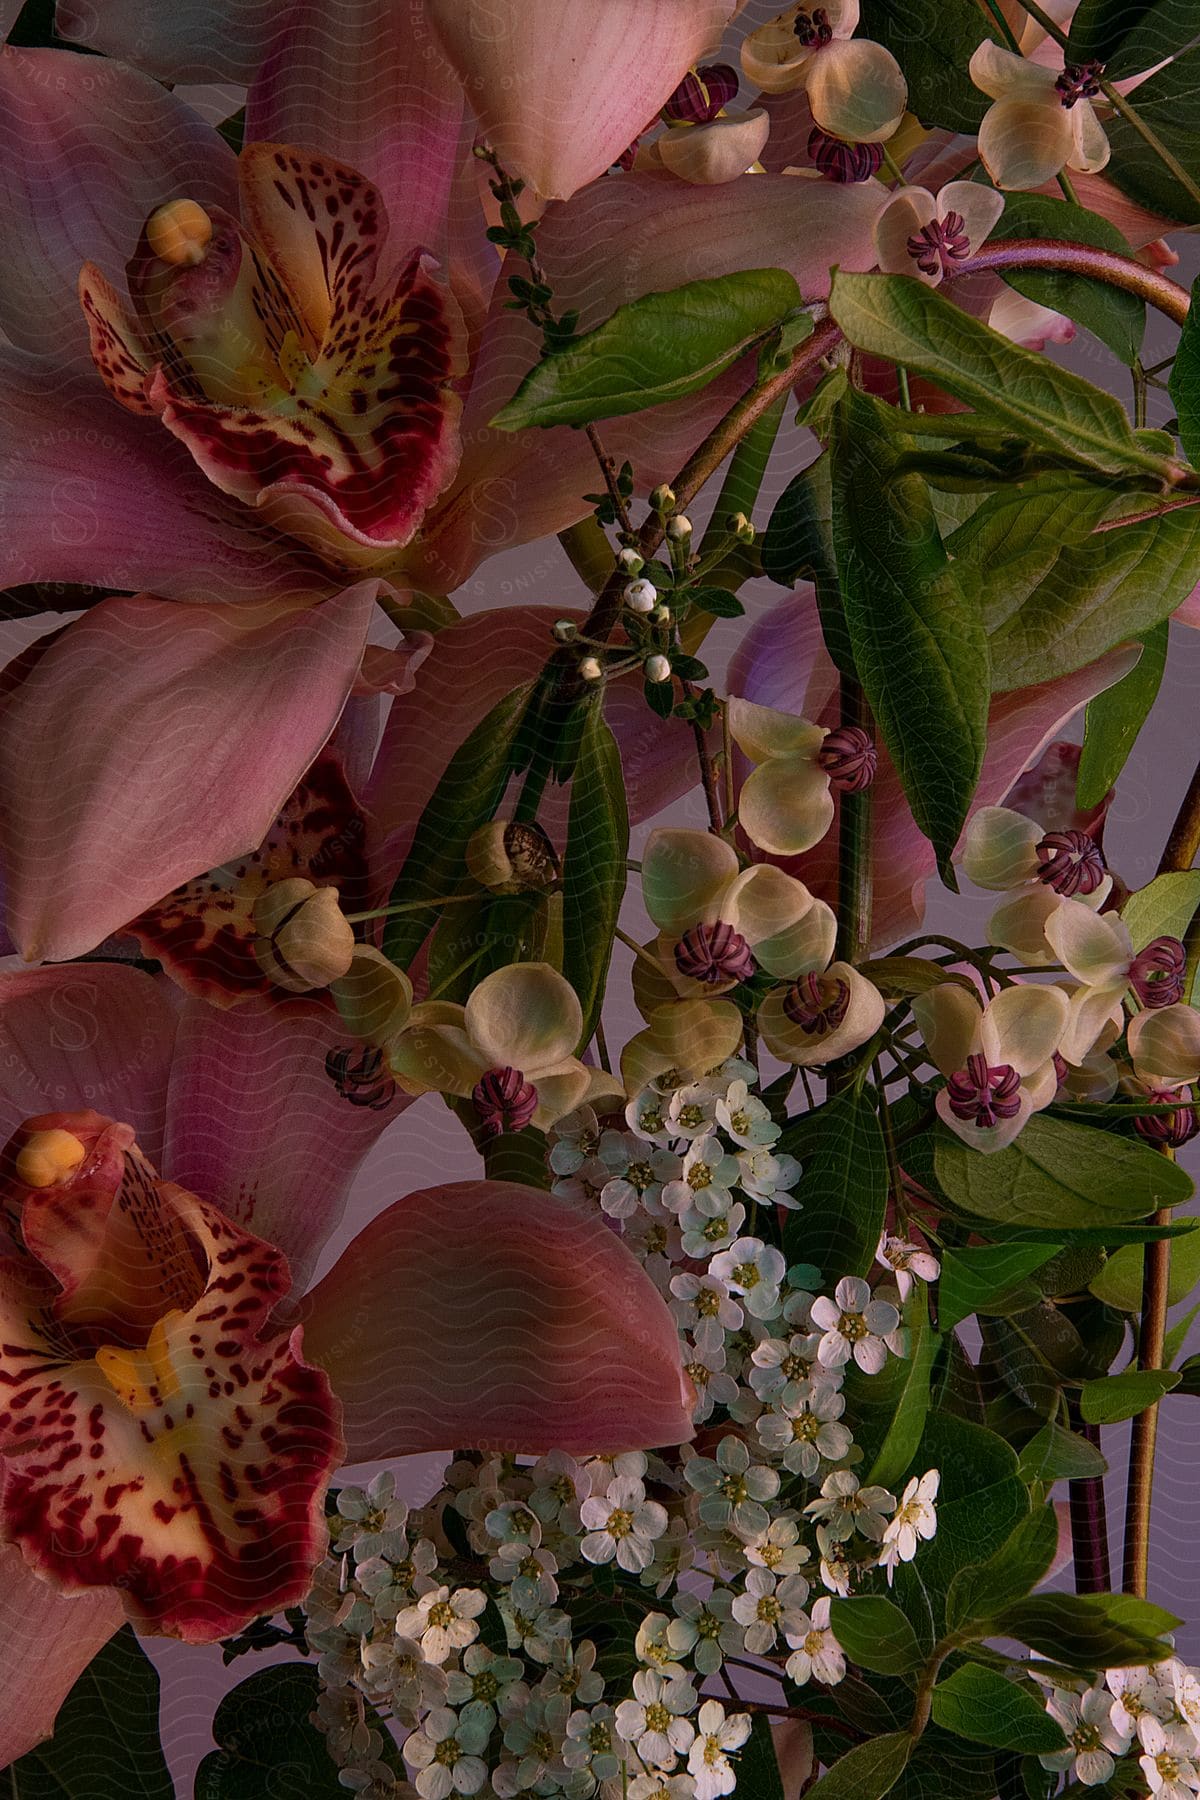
(1094, 947)
(998, 849)
(47, 1640)
(715, 152)
(1165, 1045)
(1024, 142)
(1022, 1026)
(948, 1018)
(1026, 323)
(188, 41)
(785, 806)
(684, 876)
(525, 1016)
(562, 87)
(857, 91)
(527, 1326)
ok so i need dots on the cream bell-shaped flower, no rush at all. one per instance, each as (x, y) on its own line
(1097, 950)
(924, 234)
(998, 1059)
(856, 89)
(829, 1010)
(1006, 851)
(511, 1049)
(684, 1039)
(1042, 120)
(718, 922)
(785, 805)
(1165, 1046)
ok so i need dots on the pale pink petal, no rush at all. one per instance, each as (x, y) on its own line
(863, 1016)
(1094, 947)
(94, 1034)
(256, 1123)
(948, 1018)
(908, 210)
(87, 151)
(1002, 74)
(1094, 1013)
(47, 1640)
(1023, 143)
(1091, 149)
(762, 731)
(526, 1016)
(1019, 925)
(857, 91)
(999, 848)
(562, 87)
(785, 805)
(149, 742)
(715, 152)
(789, 932)
(524, 1325)
(986, 1137)
(977, 206)
(188, 41)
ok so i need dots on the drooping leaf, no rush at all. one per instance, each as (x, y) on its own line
(1056, 1454)
(868, 1771)
(933, 40)
(1130, 36)
(1169, 103)
(895, 1455)
(1184, 380)
(1117, 1397)
(798, 542)
(1059, 1174)
(655, 349)
(106, 1737)
(981, 1704)
(464, 799)
(1165, 907)
(1113, 719)
(594, 865)
(906, 322)
(914, 626)
(843, 1187)
(758, 1765)
(982, 1589)
(875, 1634)
(988, 1278)
(267, 1744)
(1089, 1631)
(1118, 319)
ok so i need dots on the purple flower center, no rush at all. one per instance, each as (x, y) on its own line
(940, 243)
(1173, 1129)
(701, 94)
(504, 1100)
(849, 758)
(360, 1081)
(843, 162)
(813, 28)
(1079, 81)
(714, 953)
(984, 1093)
(1156, 973)
(817, 1003)
(1070, 862)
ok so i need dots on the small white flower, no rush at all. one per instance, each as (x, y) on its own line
(653, 1645)
(655, 1720)
(1092, 1739)
(486, 1684)
(766, 1609)
(708, 1758)
(744, 1118)
(916, 1518)
(754, 1270)
(703, 1305)
(592, 1742)
(1140, 1694)
(705, 1369)
(731, 1487)
(816, 1653)
(659, 1786)
(706, 1179)
(804, 1430)
(443, 1621)
(906, 1260)
(783, 1368)
(640, 596)
(622, 1524)
(706, 1629)
(845, 1507)
(855, 1325)
(705, 1236)
(1169, 1762)
(445, 1753)
(635, 1175)
(646, 1117)
(778, 1548)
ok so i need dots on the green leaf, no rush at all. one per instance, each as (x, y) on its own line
(1130, 36)
(1089, 1631)
(1055, 592)
(1059, 1174)
(1189, 1373)
(1119, 1282)
(1170, 104)
(1118, 319)
(484, 934)
(843, 1188)
(1184, 381)
(980, 1704)
(718, 602)
(1117, 1397)
(799, 541)
(933, 40)
(1175, 1339)
(594, 865)
(465, 798)
(988, 1278)
(906, 322)
(105, 1744)
(1055, 1454)
(875, 1634)
(915, 631)
(1165, 907)
(758, 1765)
(268, 1745)
(983, 1588)
(655, 349)
(868, 1771)
(907, 1427)
(1114, 718)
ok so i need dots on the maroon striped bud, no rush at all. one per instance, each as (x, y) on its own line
(817, 1003)
(504, 1100)
(843, 162)
(1156, 973)
(849, 758)
(701, 94)
(1070, 862)
(983, 1094)
(1169, 1130)
(714, 953)
(361, 1081)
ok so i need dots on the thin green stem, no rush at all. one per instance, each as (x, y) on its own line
(639, 950)
(893, 167)
(1048, 25)
(991, 8)
(1067, 186)
(392, 912)
(744, 476)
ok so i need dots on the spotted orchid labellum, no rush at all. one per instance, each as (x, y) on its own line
(598, 1097)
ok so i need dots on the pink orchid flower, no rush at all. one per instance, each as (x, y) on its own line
(782, 662)
(169, 1420)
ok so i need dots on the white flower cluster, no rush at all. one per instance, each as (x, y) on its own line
(1152, 1713)
(476, 1623)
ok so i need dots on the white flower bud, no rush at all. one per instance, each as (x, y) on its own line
(663, 498)
(741, 527)
(590, 669)
(657, 668)
(564, 630)
(305, 940)
(679, 528)
(661, 615)
(630, 561)
(640, 596)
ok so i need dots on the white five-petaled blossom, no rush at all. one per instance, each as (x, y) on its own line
(708, 1758)
(655, 1721)
(915, 1519)
(998, 1058)
(755, 1272)
(622, 1524)
(443, 1621)
(445, 1753)
(906, 1261)
(926, 235)
(707, 1234)
(1093, 1741)
(802, 1431)
(856, 89)
(778, 1548)
(844, 1508)
(816, 1653)
(486, 1684)
(732, 1488)
(706, 1180)
(705, 1629)
(783, 1368)
(1042, 119)
(743, 1117)
(704, 1306)
(592, 1742)
(854, 1324)
(768, 1608)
